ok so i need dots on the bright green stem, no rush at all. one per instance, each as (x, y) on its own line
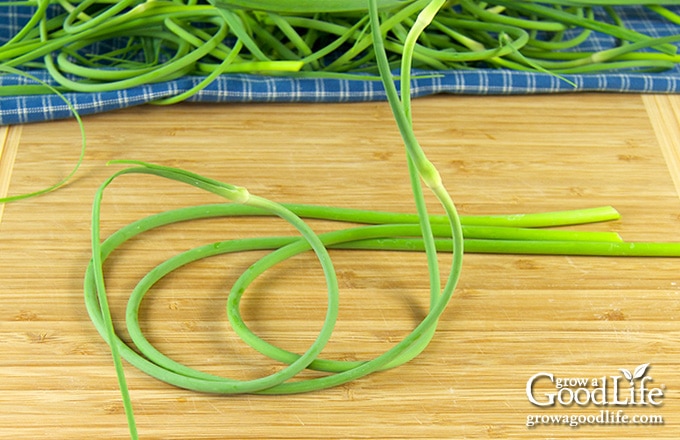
(419, 165)
(390, 236)
(83, 143)
(306, 6)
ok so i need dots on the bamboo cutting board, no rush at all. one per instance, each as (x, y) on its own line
(513, 317)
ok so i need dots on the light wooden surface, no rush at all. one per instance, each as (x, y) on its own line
(512, 316)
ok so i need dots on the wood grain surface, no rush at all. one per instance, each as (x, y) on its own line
(511, 318)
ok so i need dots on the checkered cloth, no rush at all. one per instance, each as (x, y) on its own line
(256, 88)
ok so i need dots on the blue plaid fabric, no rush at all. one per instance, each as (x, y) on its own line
(255, 88)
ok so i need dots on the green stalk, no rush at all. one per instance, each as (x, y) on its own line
(389, 236)
(37, 16)
(665, 13)
(307, 6)
(222, 68)
(573, 20)
(164, 71)
(81, 127)
(420, 168)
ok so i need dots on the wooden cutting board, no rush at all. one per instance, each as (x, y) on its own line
(512, 317)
